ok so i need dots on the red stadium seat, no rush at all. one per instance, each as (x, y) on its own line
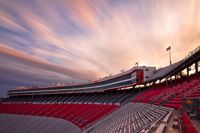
(79, 114)
(189, 127)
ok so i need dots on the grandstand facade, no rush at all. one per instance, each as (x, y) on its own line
(132, 77)
(142, 99)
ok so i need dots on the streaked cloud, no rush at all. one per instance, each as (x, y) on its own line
(74, 40)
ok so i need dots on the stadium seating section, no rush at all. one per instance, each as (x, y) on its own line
(130, 118)
(171, 95)
(105, 98)
(79, 114)
(125, 111)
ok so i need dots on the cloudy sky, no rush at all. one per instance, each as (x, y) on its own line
(44, 42)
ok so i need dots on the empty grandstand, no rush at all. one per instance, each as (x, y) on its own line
(142, 99)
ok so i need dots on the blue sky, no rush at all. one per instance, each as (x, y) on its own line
(44, 42)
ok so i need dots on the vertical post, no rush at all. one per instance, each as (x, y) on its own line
(169, 49)
(196, 67)
(181, 74)
(170, 58)
(188, 71)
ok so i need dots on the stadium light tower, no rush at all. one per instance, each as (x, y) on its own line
(169, 49)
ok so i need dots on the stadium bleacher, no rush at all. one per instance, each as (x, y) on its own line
(103, 98)
(133, 117)
(92, 113)
(79, 114)
(144, 109)
(172, 95)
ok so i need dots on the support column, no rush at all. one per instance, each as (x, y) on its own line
(175, 77)
(187, 71)
(180, 73)
(166, 80)
(196, 67)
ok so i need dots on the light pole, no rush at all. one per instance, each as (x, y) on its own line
(169, 49)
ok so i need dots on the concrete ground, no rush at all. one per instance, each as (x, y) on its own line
(169, 128)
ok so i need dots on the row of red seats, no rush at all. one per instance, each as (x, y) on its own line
(175, 105)
(164, 96)
(195, 94)
(189, 89)
(148, 95)
(171, 96)
(189, 127)
(79, 114)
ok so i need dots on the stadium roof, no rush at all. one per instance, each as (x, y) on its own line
(176, 67)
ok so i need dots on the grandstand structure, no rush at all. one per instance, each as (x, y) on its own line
(142, 99)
